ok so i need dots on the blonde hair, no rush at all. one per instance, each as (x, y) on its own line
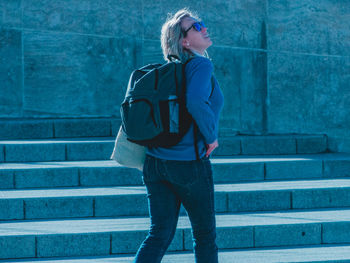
(172, 35)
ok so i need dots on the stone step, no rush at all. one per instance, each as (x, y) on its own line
(100, 237)
(12, 129)
(100, 148)
(307, 254)
(66, 174)
(57, 149)
(225, 170)
(272, 144)
(132, 201)
(57, 128)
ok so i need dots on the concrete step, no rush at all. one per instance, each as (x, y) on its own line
(226, 170)
(308, 254)
(12, 129)
(100, 148)
(57, 149)
(272, 144)
(57, 128)
(100, 237)
(116, 201)
(66, 174)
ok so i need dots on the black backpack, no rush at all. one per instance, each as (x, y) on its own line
(154, 112)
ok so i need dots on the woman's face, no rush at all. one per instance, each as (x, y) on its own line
(195, 40)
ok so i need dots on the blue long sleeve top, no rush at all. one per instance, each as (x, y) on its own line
(204, 103)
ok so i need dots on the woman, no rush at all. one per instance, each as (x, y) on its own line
(174, 176)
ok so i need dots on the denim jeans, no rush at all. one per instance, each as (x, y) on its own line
(170, 183)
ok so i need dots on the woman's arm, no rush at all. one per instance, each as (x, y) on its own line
(198, 79)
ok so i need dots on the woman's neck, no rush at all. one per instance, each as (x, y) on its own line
(198, 53)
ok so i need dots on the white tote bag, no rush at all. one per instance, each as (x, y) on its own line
(127, 153)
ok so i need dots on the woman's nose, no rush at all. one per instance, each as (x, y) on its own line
(204, 29)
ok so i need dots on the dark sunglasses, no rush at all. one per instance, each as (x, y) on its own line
(197, 26)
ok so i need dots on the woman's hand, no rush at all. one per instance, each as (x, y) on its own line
(211, 147)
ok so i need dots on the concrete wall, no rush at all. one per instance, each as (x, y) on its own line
(284, 66)
(309, 68)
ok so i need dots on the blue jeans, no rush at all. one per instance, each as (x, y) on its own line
(170, 183)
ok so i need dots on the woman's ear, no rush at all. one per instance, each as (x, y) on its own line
(185, 43)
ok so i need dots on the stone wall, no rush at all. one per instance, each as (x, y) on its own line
(284, 66)
(309, 69)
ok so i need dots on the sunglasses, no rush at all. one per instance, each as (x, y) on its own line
(197, 26)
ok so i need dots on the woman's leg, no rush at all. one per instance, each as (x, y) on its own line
(201, 212)
(193, 182)
(164, 209)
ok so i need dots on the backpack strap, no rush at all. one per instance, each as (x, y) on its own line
(195, 135)
(183, 90)
(195, 127)
(212, 85)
